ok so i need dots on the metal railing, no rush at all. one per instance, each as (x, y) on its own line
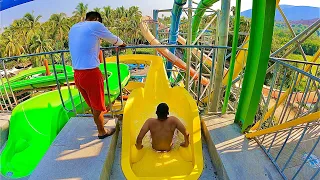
(293, 91)
(289, 92)
(198, 90)
(288, 121)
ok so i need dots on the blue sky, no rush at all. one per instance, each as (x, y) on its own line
(48, 7)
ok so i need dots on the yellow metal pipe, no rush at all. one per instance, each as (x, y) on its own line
(308, 118)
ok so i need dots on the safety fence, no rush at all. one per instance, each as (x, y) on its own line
(13, 90)
(287, 123)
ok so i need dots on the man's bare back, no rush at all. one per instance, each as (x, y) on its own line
(162, 132)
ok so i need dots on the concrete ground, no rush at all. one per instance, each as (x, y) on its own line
(76, 153)
(234, 156)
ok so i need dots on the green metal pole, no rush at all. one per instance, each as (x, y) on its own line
(263, 12)
(155, 26)
(189, 42)
(222, 41)
(233, 56)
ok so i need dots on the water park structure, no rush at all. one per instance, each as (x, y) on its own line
(241, 126)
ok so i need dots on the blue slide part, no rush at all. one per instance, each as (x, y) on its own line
(174, 29)
(6, 4)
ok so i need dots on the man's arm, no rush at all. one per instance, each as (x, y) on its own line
(102, 32)
(143, 132)
(184, 131)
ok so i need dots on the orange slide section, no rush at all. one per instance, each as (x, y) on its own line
(164, 51)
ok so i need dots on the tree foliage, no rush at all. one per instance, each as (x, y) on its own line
(28, 35)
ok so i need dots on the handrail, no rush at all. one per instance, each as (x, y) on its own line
(296, 69)
(305, 119)
(196, 90)
(58, 84)
(297, 61)
(127, 47)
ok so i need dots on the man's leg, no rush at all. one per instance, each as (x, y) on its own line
(99, 120)
(94, 86)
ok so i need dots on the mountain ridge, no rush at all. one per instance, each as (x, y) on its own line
(293, 13)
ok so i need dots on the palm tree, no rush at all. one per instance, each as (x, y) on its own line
(28, 35)
(20, 31)
(120, 12)
(81, 11)
(32, 22)
(108, 16)
(40, 43)
(97, 10)
(134, 12)
(12, 48)
(59, 28)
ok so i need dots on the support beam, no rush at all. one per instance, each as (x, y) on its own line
(189, 41)
(300, 37)
(222, 41)
(204, 30)
(263, 12)
(155, 26)
(174, 29)
(233, 57)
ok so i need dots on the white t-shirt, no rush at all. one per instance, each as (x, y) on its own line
(84, 43)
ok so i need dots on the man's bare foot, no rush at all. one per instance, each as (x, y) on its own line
(108, 133)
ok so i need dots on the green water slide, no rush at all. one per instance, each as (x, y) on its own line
(198, 14)
(26, 79)
(37, 70)
(35, 123)
(262, 23)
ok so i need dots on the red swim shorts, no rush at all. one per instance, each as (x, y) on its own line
(90, 84)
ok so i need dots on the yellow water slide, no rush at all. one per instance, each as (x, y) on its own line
(179, 163)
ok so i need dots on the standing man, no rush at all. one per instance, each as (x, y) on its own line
(84, 44)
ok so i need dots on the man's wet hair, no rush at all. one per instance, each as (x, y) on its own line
(92, 16)
(162, 111)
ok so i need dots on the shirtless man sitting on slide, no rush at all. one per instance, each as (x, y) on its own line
(162, 130)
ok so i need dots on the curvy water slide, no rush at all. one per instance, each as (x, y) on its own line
(35, 123)
(240, 59)
(179, 163)
(34, 71)
(165, 52)
(174, 29)
(24, 80)
(198, 14)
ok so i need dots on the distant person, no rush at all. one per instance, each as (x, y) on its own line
(162, 130)
(84, 44)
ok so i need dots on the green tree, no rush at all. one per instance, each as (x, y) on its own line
(12, 48)
(31, 23)
(59, 27)
(97, 10)
(81, 11)
(108, 14)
